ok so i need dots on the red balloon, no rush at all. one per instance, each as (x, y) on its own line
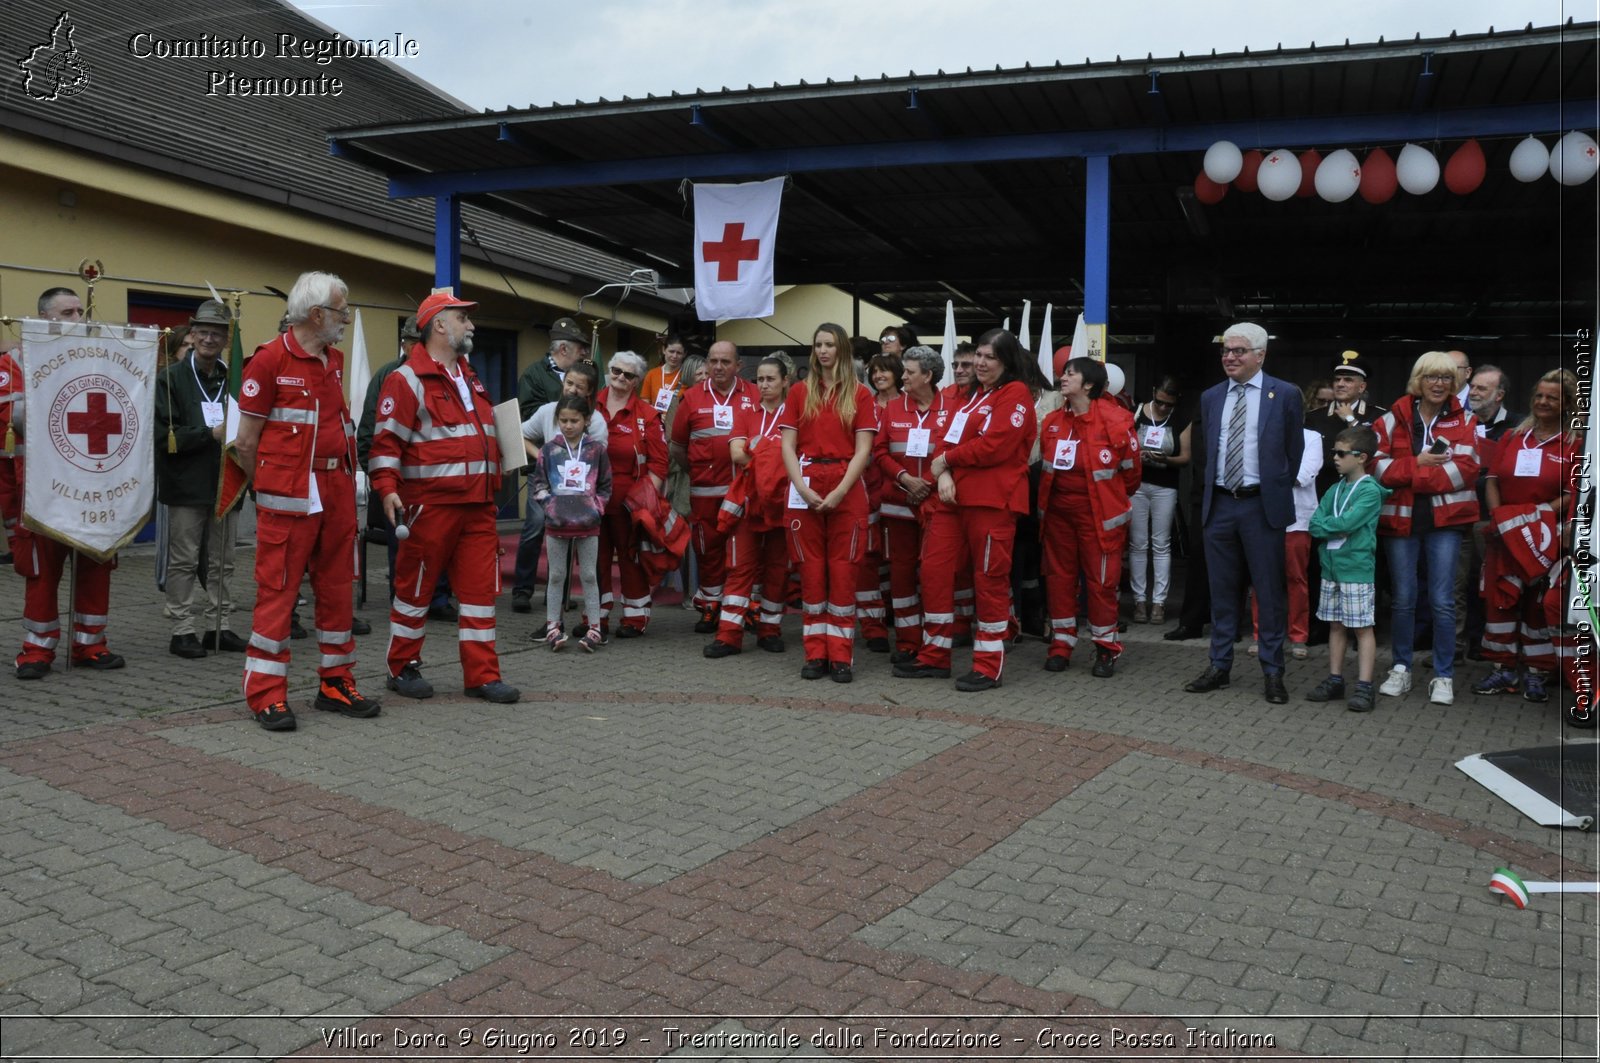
(1379, 182)
(1208, 191)
(1464, 172)
(1309, 161)
(1246, 181)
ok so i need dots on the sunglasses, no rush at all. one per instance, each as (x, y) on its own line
(624, 374)
(1349, 453)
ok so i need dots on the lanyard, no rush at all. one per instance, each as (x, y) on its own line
(670, 385)
(1152, 422)
(979, 397)
(1427, 429)
(923, 416)
(1529, 435)
(1340, 506)
(721, 402)
(220, 387)
(571, 454)
(766, 424)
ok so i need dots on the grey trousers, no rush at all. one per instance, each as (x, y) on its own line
(559, 553)
(187, 525)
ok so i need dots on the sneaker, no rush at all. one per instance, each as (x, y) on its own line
(707, 624)
(276, 717)
(1360, 698)
(104, 661)
(1499, 681)
(1298, 651)
(33, 669)
(409, 683)
(1255, 649)
(497, 691)
(1441, 691)
(605, 632)
(1158, 614)
(719, 649)
(1330, 689)
(591, 641)
(521, 602)
(340, 695)
(1105, 664)
(1141, 613)
(1397, 683)
(1533, 688)
(553, 637)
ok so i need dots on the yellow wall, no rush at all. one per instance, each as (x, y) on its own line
(168, 235)
(798, 310)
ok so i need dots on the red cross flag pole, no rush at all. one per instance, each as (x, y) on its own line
(735, 232)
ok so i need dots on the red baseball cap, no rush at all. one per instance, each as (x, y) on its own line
(436, 302)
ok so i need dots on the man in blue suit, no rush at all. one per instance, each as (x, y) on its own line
(1251, 426)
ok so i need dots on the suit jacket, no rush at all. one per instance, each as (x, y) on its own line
(1278, 438)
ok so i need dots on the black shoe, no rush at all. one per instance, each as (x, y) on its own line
(1272, 687)
(878, 645)
(841, 673)
(1057, 664)
(975, 681)
(104, 661)
(815, 668)
(719, 649)
(186, 646)
(902, 656)
(359, 626)
(33, 670)
(296, 629)
(409, 683)
(341, 696)
(497, 691)
(443, 611)
(276, 717)
(1210, 679)
(1181, 634)
(1122, 627)
(707, 624)
(771, 643)
(914, 670)
(626, 632)
(521, 602)
(229, 642)
(1105, 665)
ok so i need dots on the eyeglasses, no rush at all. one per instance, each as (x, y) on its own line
(1349, 453)
(624, 374)
(1440, 378)
(1237, 352)
(342, 311)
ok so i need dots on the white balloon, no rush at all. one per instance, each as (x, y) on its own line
(1530, 160)
(1223, 161)
(1574, 158)
(1417, 170)
(1338, 177)
(1115, 380)
(1279, 176)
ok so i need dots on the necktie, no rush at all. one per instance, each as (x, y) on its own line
(1233, 466)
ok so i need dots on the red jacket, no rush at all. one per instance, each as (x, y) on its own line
(663, 535)
(710, 463)
(1451, 488)
(895, 425)
(1107, 452)
(302, 400)
(428, 446)
(635, 443)
(990, 462)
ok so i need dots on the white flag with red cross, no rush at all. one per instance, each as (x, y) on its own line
(89, 480)
(735, 229)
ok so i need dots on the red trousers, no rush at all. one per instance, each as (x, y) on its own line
(462, 541)
(827, 548)
(710, 548)
(869, 583)
(1296, 559)
(757, 557)
(1519, 630)
(40, 562)
(285, 547)
(1072, 547)
(902, 547)
(979, 539)
(617, 540)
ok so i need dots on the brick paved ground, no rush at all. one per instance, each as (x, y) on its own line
(659, 856)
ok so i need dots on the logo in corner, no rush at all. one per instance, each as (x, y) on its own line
(55, 70)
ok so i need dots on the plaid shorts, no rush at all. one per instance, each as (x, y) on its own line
(1350, 604)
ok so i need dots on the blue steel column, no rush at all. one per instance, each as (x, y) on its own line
(447, 243)
(1097, 241)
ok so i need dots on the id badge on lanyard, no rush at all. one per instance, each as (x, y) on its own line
(1529, 462)
(722, 418)
(958, 425)
(1066, 456)
(917, 442)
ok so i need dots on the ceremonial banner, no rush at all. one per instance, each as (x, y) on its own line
(232, 479)
(735, 229)
(90, 405)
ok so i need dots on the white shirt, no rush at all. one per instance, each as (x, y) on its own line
(541, 426)
(1252, 446)
(1305, 482)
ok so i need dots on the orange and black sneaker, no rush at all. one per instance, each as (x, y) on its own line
(104, 661)
(340, 695)
(708, 620)
(276, 717)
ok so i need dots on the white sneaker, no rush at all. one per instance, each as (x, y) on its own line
(1399, 682)
(1442, 691)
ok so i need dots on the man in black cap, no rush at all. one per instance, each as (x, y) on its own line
(540, 383)
(1348, 409)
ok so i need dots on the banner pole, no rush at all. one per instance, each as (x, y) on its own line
(72, 606)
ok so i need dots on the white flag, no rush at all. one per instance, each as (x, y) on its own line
(1025, 337)
(90, 398)
(735, 230)
(949, 351)
(1047, 353)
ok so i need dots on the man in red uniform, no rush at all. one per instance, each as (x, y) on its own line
(38, 559)
(709, 416)
(436, 466)
(297, 439)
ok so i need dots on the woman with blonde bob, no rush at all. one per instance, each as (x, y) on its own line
(1428, 455)
(828, 424)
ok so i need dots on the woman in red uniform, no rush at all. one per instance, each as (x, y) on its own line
(982, 478)
(758, 555)
(636, 446)
(1526, 488)
(828, 424)
(1091, 470)
(910, 435)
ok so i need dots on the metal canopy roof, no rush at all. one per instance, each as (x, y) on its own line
(917, 189)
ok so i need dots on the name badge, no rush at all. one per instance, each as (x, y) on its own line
(917, 443)
(1528, 462)
(664, 399)
(212, 412)
(795, 500)
(1155, 436)
(1066, 454)
(958, 424)
(722, 418)
(574, 477)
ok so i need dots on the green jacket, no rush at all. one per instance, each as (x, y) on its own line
(369, 411)
(188, 477)
(539, 384)
(1355, 560)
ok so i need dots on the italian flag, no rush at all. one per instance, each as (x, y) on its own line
(1506, 881)
(234, 478)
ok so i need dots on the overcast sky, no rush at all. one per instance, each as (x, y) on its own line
(495, 54)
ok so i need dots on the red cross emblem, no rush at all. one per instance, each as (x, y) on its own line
(731, 250)
(93, 423)
(98, 424)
